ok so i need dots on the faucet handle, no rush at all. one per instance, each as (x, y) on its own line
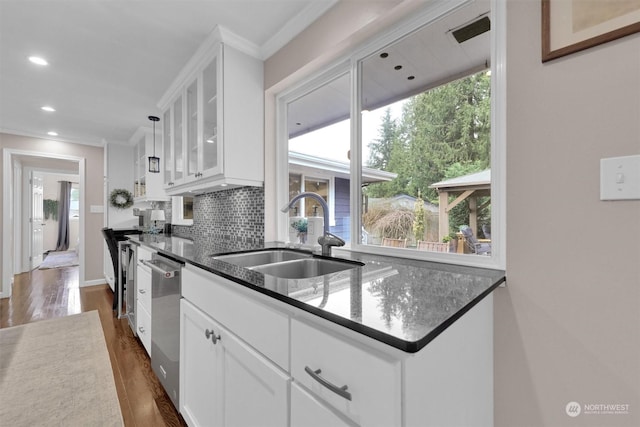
(329, 239)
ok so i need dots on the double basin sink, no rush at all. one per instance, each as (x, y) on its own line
(287, 264)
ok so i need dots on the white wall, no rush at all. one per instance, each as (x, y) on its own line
(119, 167)
(119, 164)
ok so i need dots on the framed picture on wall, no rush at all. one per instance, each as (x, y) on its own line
(570, 26)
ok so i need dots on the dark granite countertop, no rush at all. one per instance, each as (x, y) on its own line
(402, 302)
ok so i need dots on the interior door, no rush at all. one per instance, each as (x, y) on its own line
(37, 219)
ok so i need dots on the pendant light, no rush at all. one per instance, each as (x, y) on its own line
(154, 162)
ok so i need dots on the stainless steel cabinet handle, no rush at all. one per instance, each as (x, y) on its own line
(340, 391)
(166, 274)
(141, 329)
(211, 334)
(142, 291)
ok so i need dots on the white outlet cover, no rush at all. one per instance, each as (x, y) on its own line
(620, 178)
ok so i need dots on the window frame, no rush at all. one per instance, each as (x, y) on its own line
(177, 211)
(351, 64)
(331, 193)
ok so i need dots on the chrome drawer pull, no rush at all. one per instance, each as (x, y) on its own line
(211, 334)
(340, 391)
(142, 291)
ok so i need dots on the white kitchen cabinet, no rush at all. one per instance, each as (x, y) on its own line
(148, 186)
(214, 114)
(447, 383)
(271, 355)
(363, 385)
(240, 313)
(224, 381)
(143, 298)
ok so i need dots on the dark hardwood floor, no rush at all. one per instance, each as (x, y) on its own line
(47, 294)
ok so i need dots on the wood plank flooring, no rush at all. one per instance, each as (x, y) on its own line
(47, 294)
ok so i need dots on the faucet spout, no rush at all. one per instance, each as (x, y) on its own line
(327, 239)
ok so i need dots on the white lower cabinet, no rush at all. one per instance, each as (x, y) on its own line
(246, 360)
(224, 381)
(361, 384)
(143, 301)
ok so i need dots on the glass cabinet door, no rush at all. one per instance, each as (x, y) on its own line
(211, 143)
(166, 145)
(192, 128)
(177, 140)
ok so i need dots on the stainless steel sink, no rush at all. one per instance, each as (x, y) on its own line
(256, 258)
(304, 268)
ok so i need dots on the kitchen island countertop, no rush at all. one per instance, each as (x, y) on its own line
(402, 302)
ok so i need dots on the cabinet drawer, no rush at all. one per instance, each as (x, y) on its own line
(143, 253)
(143, 320)
(261, 326)
(144, 288)
(307, 411)
(372, 381)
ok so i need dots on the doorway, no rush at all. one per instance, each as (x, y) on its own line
(17, 242)
(42, 228)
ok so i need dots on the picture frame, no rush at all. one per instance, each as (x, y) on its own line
(569, 26)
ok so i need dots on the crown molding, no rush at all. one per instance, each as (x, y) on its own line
(295, 26)
(102, 143)
(205, 53)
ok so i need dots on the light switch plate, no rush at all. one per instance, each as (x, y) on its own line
(620, 178)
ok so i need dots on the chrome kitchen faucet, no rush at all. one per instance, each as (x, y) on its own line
(327, 240)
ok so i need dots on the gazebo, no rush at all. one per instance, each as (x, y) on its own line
(470, 187)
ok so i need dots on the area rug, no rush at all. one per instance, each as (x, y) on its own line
(57, 373)
(59, 259)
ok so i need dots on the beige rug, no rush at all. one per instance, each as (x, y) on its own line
(60, 259)
(57, 373)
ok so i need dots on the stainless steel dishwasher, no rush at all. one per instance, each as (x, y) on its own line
(165, 323)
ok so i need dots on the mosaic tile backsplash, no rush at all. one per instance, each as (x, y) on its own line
(235, 216)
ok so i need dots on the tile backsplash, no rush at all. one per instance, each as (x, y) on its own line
(234, 216)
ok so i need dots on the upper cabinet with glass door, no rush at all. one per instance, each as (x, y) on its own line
(213, 138)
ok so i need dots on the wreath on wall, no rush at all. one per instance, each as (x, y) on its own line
(121, 198)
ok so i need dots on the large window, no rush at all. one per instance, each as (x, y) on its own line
(406, 130)
(318, 153)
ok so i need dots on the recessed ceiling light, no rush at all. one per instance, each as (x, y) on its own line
(47, 108)
(52, 133)
(38, 60)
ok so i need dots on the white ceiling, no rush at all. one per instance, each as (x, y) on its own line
(110, 61)
(430, 55)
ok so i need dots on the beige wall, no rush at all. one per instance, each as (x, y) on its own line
(568, 323)
(93, 191)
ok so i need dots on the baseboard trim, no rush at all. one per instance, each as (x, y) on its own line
(93, 282)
